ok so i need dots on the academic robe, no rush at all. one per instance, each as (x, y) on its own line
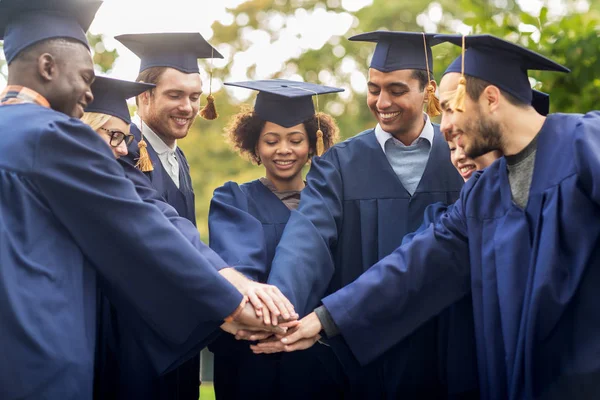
(534, 273)
(245, 224)
(138, 377)
(109, 365)
(63, 205)
(353, 212)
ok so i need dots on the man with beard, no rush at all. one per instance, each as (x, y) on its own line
(64, 203)
(361, 197)
(524, 238)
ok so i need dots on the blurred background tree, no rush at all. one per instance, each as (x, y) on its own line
(564, 30)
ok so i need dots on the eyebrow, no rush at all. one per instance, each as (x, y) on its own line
(393, 84)
(447, 96)
(179, 91)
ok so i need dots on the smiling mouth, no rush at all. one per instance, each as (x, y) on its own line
(388, 116)
(466, 169)
(180, 121)
(281, 162)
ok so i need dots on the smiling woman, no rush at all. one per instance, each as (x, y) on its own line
(282, 132)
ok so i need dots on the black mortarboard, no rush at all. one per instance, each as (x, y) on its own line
(541, 102)
(110, 96)
(283, 102)
(176, 50)
(499, 62)
(26, 22)
(399, 50)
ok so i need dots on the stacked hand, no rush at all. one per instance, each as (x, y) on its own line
(299, 337)
(266, 307)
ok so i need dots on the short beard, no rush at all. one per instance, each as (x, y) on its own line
(486, 137)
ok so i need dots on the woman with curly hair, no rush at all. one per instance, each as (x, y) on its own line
(282, 132)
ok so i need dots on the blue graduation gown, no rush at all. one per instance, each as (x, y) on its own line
(108, 366)
(458, 354)
(355, 211)
(63, 205)
(138, 377)
(534, 273)
(246, 223)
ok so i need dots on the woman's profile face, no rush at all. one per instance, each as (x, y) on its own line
(112, 131)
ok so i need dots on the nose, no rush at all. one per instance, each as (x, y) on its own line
(446, 125)
(185, 105)
(459, 153)
(89, 97)
(283, 149)
(121, 149)
(383, 100)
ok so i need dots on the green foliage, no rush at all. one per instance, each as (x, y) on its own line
(570, 38)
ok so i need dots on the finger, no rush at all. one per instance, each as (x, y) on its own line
(267, 317)
(302, 344)
(268, 347)
(252, 335)
(285, 303)
(274, 320)
(293, 337)
(290, 324)
(268, 301)
(256, 303)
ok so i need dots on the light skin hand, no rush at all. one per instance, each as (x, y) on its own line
(261, 295)
(253, 336)
(303, 336)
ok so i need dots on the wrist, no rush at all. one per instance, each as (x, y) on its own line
(236, 313)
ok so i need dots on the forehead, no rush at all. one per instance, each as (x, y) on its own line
(172, 79)
(448, 86)
(271, 127)
(398, 76)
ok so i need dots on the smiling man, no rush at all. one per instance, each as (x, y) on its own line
(165, 115)
(361, 198)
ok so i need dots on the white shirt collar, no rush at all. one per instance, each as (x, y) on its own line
(155, 141)
(427, 134)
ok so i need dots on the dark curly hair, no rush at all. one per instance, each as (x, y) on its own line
(243, 132)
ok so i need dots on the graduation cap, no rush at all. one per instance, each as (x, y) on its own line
(175, 50)
(110, 96)
(498, 62)
(26, 22)
(287, 103)
(540, 101)
(404, 50)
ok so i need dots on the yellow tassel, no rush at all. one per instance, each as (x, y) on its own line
(433, 103)
(209, 111)
(144, 163)
(459, 97)
(320, 144)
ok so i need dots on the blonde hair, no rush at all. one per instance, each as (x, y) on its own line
(95, 120)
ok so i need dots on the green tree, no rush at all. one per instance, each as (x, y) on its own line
(570, 38)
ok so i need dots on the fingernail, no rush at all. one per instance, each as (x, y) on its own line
(284, 340)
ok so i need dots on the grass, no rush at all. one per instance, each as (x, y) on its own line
(207, 392)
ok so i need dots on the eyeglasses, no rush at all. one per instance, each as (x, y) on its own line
(117, 137)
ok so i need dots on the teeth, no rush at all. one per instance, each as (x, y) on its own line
(388, 115)
(466, 169)
(180, 120)
(283, 162)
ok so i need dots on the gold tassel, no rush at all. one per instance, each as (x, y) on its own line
(320, 145)
(433, 103)
(209, 111)
(458, 103)
(144, 163)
